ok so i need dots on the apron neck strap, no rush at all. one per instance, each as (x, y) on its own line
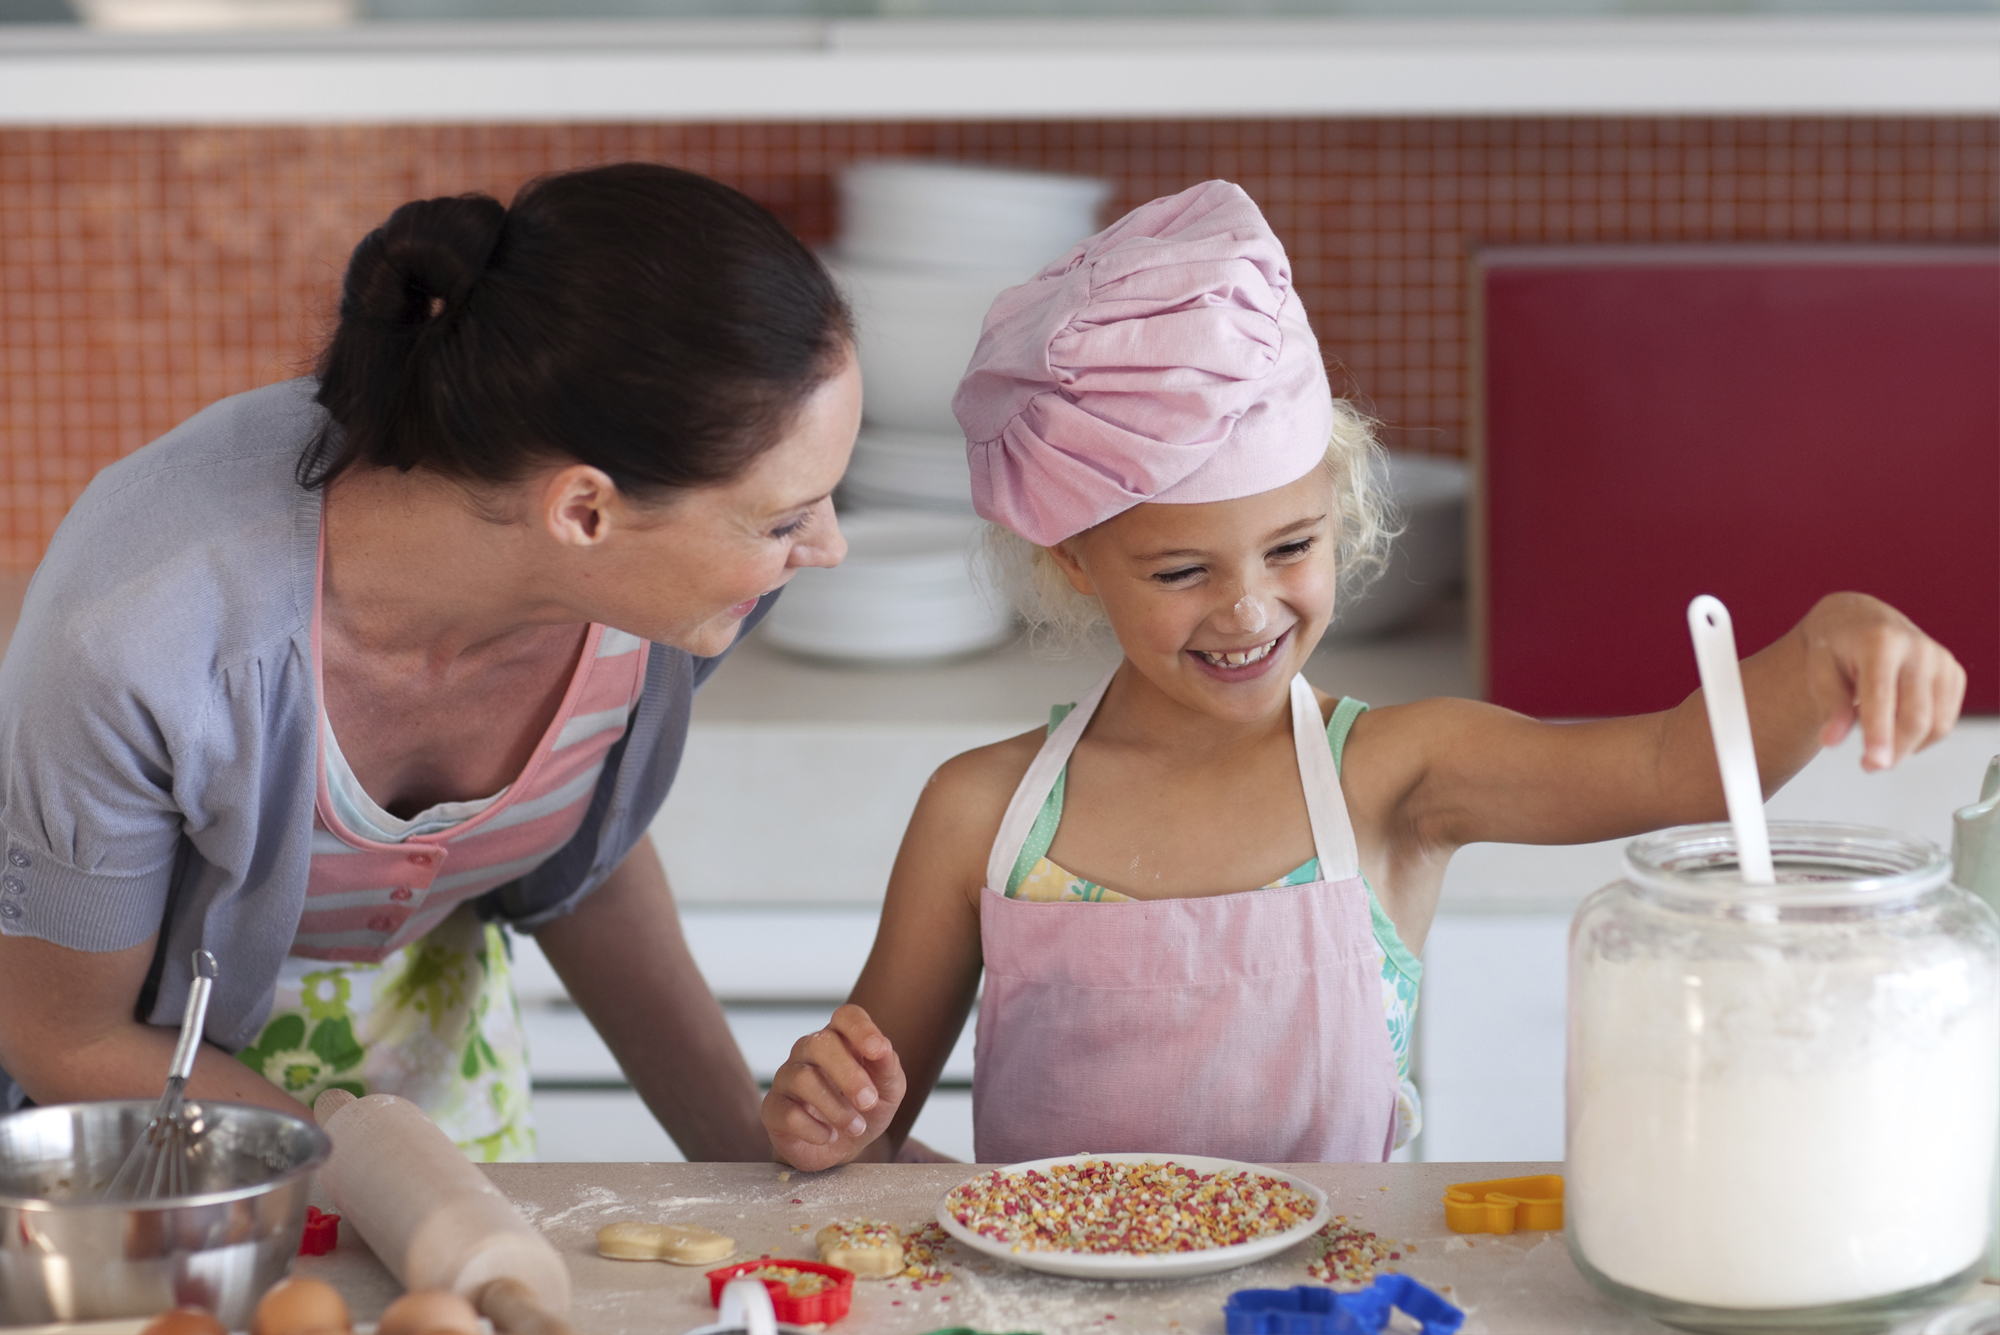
(1326, 806)
(1333, 835)
(1036, 785)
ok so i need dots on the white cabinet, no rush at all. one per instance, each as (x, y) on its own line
(1490, 1038)
(779, 972)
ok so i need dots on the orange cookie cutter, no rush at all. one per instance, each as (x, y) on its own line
(1505, 1204)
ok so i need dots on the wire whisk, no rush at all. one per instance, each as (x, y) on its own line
(159, 1163)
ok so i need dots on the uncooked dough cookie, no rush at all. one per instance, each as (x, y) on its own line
(681, 1244)
(868, 1247)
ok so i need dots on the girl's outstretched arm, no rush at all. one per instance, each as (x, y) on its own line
(853, 1089)
(1491, 775)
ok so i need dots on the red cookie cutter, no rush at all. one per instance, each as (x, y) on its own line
(322, 1233)
(828, 1305)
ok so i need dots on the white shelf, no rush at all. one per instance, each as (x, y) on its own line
(1032, 68)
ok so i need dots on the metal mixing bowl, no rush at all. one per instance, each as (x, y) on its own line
(65, 1255)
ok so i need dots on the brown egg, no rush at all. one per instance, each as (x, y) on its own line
(185, 1321)
(429, 1313)
(300, 1307)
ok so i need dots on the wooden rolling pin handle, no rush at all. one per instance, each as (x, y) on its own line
(510, 1305)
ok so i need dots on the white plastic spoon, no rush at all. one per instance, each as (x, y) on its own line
(1729, 724)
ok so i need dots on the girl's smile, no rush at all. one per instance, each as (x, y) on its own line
(1217, 604)
(1241, 664)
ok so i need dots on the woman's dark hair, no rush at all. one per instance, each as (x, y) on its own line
(638, 318)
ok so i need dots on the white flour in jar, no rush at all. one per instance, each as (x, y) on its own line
(1828, 1137)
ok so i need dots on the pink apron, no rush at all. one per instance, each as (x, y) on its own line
(1244, 1026)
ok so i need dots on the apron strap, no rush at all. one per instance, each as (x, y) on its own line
(1326, 805)
(1035, 787)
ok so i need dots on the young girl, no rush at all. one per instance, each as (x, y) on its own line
(1199, 897)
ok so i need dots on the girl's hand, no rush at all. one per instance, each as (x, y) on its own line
(1869, 663)
(836, 1095)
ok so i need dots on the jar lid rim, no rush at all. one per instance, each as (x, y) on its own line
(1698, 860)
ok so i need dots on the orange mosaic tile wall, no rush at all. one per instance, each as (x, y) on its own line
(144, 273)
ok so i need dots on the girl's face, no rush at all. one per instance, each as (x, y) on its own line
(1216, 604)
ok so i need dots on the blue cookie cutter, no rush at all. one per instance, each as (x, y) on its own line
(1311, 1310)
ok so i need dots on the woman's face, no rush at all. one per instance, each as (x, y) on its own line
(686, 573)
(1217, 604)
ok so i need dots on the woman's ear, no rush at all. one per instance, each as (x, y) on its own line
(577, 505)
(1065, 556)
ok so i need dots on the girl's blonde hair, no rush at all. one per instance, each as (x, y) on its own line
(1059, 617)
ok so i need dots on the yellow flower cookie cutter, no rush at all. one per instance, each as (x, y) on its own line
(1505, 1204)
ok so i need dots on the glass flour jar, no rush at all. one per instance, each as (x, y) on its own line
(1782, 1100)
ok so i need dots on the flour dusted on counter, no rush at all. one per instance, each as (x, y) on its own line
(1835, 1143)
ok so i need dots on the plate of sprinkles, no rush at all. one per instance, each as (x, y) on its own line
(1132, 1216)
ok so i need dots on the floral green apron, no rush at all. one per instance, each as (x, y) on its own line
(436, 1023)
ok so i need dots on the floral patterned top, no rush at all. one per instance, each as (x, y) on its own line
(1039, 880)
(436, 1022)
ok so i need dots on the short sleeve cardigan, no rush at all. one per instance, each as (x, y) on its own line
(158, 722)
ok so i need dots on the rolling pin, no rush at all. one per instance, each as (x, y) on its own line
(433, 1219)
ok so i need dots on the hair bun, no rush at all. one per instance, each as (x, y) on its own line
(424, 261)
(639, 319)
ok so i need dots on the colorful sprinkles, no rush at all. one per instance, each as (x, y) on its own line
(866, 1233)
(1349, 1255)
(1127, 1208)
(920, 1249)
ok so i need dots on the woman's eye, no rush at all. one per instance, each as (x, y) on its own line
(1180, 576)
(787, 530)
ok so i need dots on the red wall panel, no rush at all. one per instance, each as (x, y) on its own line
(1763, 426)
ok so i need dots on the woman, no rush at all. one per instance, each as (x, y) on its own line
(342, 674)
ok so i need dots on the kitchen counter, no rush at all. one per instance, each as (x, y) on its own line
(1523, 1282)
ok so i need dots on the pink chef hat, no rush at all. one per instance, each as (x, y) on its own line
(1164, 359)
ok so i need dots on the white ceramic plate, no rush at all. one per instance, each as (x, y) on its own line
(1127, 1265)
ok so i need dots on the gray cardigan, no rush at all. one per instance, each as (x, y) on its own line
(158, 722)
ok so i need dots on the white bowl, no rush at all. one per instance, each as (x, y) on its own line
(948, 215)
(916, 332)
(914, 586)
(1427, 558)
(921, 469)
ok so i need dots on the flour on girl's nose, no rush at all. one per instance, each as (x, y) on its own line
(1250, 613)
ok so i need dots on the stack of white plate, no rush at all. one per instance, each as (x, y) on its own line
(924, 248)
(914, 586)
(913, 469)
(917, 329)
(910, 213)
